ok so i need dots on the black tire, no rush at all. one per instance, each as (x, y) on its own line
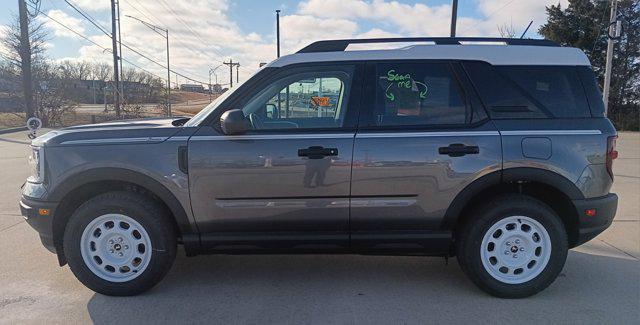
(470, 235)
(143, 210)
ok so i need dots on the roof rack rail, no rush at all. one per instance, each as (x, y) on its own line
(341, 45)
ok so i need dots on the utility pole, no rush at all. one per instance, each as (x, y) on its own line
(454, 17)
(120, 54)
(278, 32)
(238, 73)
(166, 31)
(114, 49)
(612, 35)
(25, 60)
(231, 64)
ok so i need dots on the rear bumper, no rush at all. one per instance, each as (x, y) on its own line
(43, 224)
(591, 226)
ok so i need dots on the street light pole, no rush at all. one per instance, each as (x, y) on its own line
(212, 70)
(164, 32)
(278, 32)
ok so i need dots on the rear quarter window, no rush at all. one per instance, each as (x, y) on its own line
(529, 91)
(594, 96)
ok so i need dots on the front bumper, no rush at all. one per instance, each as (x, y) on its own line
(591, 226)
(43, 224)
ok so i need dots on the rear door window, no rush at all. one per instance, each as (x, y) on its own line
(417, 94)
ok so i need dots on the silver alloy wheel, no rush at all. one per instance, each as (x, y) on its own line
(515, 249)
(115, 247)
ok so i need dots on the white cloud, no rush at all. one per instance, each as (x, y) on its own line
(63, 18)
(202, 34)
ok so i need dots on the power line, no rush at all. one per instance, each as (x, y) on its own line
(88, 17)
(126, 46)
(157, 20)
(187, 26)
(164, 4)
(489, 15)
(138, 10)
(92, 21)
(94, 43)
(177, 40)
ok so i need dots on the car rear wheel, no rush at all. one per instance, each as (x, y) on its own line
(514, 247)
(120, 243)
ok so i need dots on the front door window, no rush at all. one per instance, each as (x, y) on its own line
(301, 101)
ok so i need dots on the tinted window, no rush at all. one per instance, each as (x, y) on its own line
(417, 94)
(594, 96)
(501, 97)
(529, 91)
(558, 89)
(301, 101)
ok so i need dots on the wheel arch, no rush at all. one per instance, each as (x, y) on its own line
(82, 186)
(547, 186)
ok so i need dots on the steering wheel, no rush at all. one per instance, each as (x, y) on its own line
(256, 121)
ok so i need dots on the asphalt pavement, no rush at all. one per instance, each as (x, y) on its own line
(599, 284)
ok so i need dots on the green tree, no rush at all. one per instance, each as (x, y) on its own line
(584, 24)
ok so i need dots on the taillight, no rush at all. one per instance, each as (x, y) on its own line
(612, 153)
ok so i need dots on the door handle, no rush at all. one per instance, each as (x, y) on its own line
(317, 152)
(458, 150)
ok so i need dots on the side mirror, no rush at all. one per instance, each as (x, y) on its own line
(234, 122)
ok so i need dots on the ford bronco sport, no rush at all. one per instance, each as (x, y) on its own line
(496, 151)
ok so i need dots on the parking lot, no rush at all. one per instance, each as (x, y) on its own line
(599, 284)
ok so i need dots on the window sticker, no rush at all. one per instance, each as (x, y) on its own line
(398, 81)
(320, 101)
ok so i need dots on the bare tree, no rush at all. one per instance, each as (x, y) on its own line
(27, 54)
(101, 71)
(79, 70)
(507, 31)
(53, 94)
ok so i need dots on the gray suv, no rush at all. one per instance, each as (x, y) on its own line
(496, 151)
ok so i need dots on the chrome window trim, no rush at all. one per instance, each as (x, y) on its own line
(552, 132)
(273, 136)
(427, 134)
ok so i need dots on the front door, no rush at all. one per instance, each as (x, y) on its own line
(286, 183)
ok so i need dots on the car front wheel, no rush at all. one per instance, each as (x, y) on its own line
(120, 243)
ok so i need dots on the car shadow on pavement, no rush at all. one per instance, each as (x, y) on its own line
(352, 288)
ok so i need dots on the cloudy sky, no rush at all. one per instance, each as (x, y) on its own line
(204, 33)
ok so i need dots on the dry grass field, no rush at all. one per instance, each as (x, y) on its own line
(183, 104)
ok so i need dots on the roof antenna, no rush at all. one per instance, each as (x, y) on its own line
(526, 29)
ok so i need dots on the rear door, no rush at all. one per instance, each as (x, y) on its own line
(423, 137)
(286, 183)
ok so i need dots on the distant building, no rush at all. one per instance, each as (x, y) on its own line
(192, 88)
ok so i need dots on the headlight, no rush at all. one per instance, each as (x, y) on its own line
(36, 164)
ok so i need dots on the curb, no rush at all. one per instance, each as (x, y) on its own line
(11, 130)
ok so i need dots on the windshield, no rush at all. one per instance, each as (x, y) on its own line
(198, 118)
